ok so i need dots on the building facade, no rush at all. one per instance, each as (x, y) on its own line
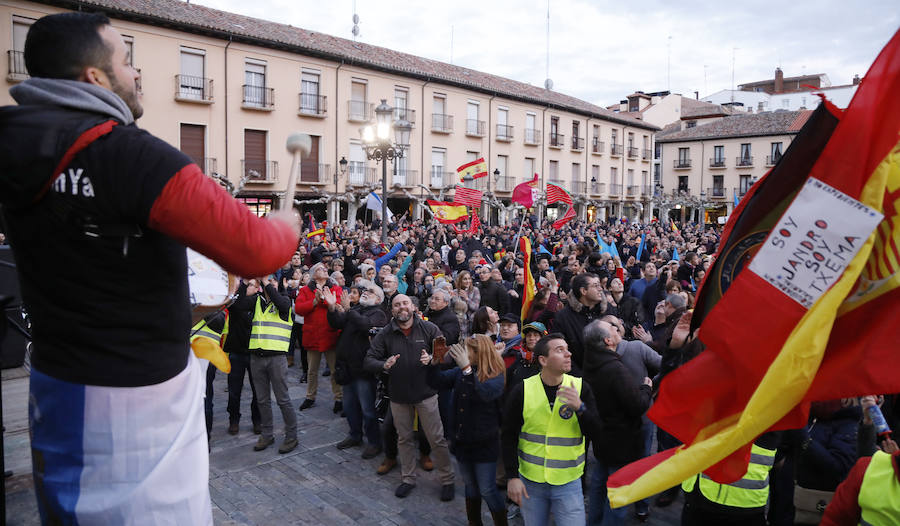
(228, 90)
(708, 168)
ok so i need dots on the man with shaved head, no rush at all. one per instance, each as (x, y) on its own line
(397, 351)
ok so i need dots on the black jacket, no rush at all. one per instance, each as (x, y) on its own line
(240, 315)
(353, 343)
(407, 385)
(447, 322)
(495, 296)
(571, 321)
(621, 401)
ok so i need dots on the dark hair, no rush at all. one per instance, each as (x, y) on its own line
(481, 321)
(580, 281)
(60, 46)
(542, 347)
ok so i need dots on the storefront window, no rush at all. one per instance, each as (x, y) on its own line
(258, 205)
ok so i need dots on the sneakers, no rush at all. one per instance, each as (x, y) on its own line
(448, 491)
(512, 511)
(307, 404)
(327, 371)
(371, 452)
(386, 466)
(288, 445)
(263, 443)
(403, 490)
(348, 443)
(338, 407)
(427, 464)
(233, 428)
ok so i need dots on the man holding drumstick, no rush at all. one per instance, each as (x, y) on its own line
(116, 411)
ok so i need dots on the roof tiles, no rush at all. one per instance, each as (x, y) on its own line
(740, 125)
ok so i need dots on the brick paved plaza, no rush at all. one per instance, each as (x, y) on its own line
(314, 484)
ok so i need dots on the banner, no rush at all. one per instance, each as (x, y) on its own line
(448, 213)
(526, 193)
(476, 169)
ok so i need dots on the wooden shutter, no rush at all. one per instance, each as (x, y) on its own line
(193, 143)
(255, 151)
(309, 167)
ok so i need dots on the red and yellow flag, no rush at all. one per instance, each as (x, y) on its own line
(448, 212)
(808, 264)
(529, 290)
(477, 168)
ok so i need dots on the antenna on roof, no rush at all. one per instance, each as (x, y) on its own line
(669, 66)
(451, 44)
(548, 84)
(705, 89)
(733, 50)
(355, 29)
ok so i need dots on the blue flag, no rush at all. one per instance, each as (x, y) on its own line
(608, 248)
(674, 253)
(543, 250)
(641, 246)
(736, 200)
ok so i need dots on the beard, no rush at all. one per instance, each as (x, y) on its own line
(368, 301)
(403, 315)
(127, 94)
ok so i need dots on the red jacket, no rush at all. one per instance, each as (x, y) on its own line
(317, 333)
(844, 506)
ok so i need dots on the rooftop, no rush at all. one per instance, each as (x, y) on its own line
(198, 19)
(739, 125)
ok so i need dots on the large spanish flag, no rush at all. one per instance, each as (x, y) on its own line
(529, 290)
(476, 169)
(810, 259)
(448, 212)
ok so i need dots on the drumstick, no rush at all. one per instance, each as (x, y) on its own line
(299, 144)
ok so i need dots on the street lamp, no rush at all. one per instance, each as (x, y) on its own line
(377, 141)
(702, 210)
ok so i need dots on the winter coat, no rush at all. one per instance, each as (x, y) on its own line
(407, 385)
(447, 322)
(353, 343)
(571, 321)
(318, 335)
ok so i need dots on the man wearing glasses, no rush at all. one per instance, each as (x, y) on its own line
(587, 302)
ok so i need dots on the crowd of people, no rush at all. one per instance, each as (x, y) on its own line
(429, 354)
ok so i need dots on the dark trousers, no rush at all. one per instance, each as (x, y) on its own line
(297, 345)
(208, 402)
(695, 514)
(389, 438)
(240, 367)
(359, 406)
(666, 441)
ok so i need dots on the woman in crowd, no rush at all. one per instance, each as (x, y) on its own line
(466, 298)
(485, 322)
(477, 382)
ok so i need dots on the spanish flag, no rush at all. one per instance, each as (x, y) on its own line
(674, 228)
(448, 212)
(800, 305)
(529, 291)
(499, 254)
(477, 168)
(319, 231)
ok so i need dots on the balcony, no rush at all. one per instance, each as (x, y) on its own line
(632, 191)
(682, 191)
(314, 173)
(682, 164)
(532, 137)
(259, 170)
(504, 133)
(405, 113)
(615, 150)
(358, 174)
(716, 192)
(208, 164)
(359, 111)
(407, 178)
(577, 144)
(632, 152)
(738, 193)
(557, 181)
(743, 161)
(772, 160)
(313, 105)
(258, 98)
(193, 89)
(580, 187)
(557, 140)
(441, 123)
(441, 178)
(647, 190)
(717, 162)
(474, 128)
(615, 190)
(16, 61)
(645, 154)
(479, 184)
(598, 188)
(506, 183)
(597, 146)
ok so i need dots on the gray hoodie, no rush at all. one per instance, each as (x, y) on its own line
(72, 94)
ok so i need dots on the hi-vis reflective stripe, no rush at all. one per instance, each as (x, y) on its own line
(272, 337)
(746, 483)
(207, 333)
(551, 463)
(765, 460)
(550, 441)
(281, 325)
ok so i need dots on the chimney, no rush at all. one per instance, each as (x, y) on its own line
(779, 81)
(855, 80)
(696, 95)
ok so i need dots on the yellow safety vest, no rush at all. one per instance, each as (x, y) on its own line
(879, 495)
(751, 491)
(205, 330)
(551, 444)
(269, 332)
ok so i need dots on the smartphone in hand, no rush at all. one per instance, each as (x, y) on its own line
(439, 349)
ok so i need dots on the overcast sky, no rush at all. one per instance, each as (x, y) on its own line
(601, 51)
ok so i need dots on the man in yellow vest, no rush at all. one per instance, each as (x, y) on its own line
(545, 422)
(213, 327)
(270, 339)
(870, 495)
(741, 503)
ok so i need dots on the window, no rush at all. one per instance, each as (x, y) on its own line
(472, 124)
(746, 159)
(503, 166)
(576, 172)
(17, 67)
(531, 134)
(129, 48)
(645, 178)
(775, 152)
(595, 173)
(630, 174)
(554, 171)
(258, 205)
(554, 132)
(438, 163)
(191, 82)
(656, 175)
(684, 156)
(802, 102)
(718, 189)
(743, 184)
(683, 184)
(193, 144)
(255, 83)
(256, 164)
(690, 124)
(614, 176)
(786, 104)
(359, 107)
(401, 170)
(310, 101)
(529, 168)
(440, 121)
(401, 104)
(719, 155)
(356, 167)
(614, 135)
(630, 140)
(657, 151)
(575, 129)
(504, 130)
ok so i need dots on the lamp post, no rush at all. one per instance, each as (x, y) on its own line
(702, 210)
(377, 141)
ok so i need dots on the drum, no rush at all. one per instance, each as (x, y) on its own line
(211, 287)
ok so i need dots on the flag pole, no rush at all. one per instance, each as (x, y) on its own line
(518, 235)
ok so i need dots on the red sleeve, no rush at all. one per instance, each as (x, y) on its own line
(304, 303)
(196, 211)
(844, 510)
